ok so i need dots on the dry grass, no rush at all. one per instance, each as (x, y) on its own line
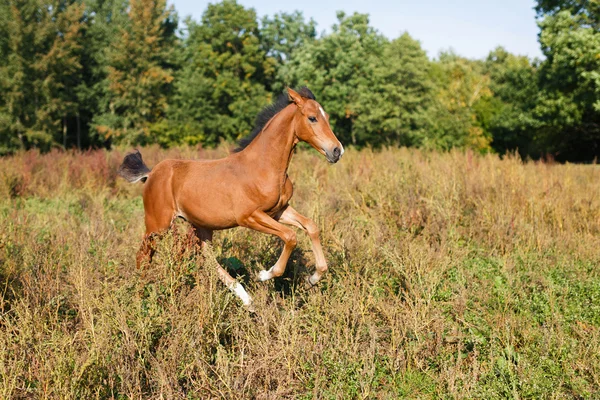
(451, 276)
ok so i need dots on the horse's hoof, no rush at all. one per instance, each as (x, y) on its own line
(313, 279)
(264, 276)
(308, 282)
(250, 308)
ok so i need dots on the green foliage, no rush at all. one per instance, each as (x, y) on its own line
(105, 72)
(569, 105)
(223, 82)
(140, 73)
(587, 12)
(393, 108)
(462, 87)
(39, 68)
(284, 33)
(339, 67)
(103, 22)
(508, 115)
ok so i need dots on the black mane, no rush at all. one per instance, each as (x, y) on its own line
(269, 112)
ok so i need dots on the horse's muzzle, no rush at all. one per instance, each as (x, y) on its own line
(334, 155)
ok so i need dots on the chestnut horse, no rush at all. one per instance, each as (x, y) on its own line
(249, 188)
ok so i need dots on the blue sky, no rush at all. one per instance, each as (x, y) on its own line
(470, 27)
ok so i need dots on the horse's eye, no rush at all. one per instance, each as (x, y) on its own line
(312, 119)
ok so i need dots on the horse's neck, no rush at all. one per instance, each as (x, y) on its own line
(271, 151)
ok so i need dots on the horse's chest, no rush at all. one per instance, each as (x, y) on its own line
(283, 197)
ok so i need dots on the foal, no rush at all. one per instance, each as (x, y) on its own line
(249, 188)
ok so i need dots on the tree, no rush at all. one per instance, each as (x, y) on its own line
(569, 104)
(283, 33)
(140, 73)
(103, 22)
(337, 68)
(223, 83)
(40, 62)
(393, 109)
(462, 86)
(508, 115)
(586, 12)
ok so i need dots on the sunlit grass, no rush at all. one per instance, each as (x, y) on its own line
(451, 276)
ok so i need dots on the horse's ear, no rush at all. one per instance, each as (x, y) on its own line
(295, 97)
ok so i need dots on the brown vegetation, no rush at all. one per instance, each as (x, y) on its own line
(451, 275)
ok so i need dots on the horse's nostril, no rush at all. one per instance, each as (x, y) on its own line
(336, 152)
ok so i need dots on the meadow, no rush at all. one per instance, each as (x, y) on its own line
(452, 276)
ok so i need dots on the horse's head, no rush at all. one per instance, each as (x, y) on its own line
(312, 126)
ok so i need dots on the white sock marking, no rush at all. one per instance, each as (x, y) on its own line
(239, 290)
(265, 275)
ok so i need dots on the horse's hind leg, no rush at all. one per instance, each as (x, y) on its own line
(146, 251)
(205, 236)
(156, 223)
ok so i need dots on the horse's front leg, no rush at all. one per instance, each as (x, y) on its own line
(262, 222)
(205, 236)
(291, 217)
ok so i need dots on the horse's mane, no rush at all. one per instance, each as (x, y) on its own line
(269, 112)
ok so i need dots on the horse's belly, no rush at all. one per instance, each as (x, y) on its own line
(206, 207)
(208, 217)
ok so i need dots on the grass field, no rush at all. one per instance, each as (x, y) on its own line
(452, 276)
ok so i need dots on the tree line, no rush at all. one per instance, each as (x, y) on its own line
(128, 72)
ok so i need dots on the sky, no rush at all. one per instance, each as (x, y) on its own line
(471, 28)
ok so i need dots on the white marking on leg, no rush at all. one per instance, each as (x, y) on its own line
(240, 292)
(265, 275)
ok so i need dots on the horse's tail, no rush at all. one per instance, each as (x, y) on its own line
(133, 168)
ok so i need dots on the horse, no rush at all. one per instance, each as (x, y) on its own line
(248, 188)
